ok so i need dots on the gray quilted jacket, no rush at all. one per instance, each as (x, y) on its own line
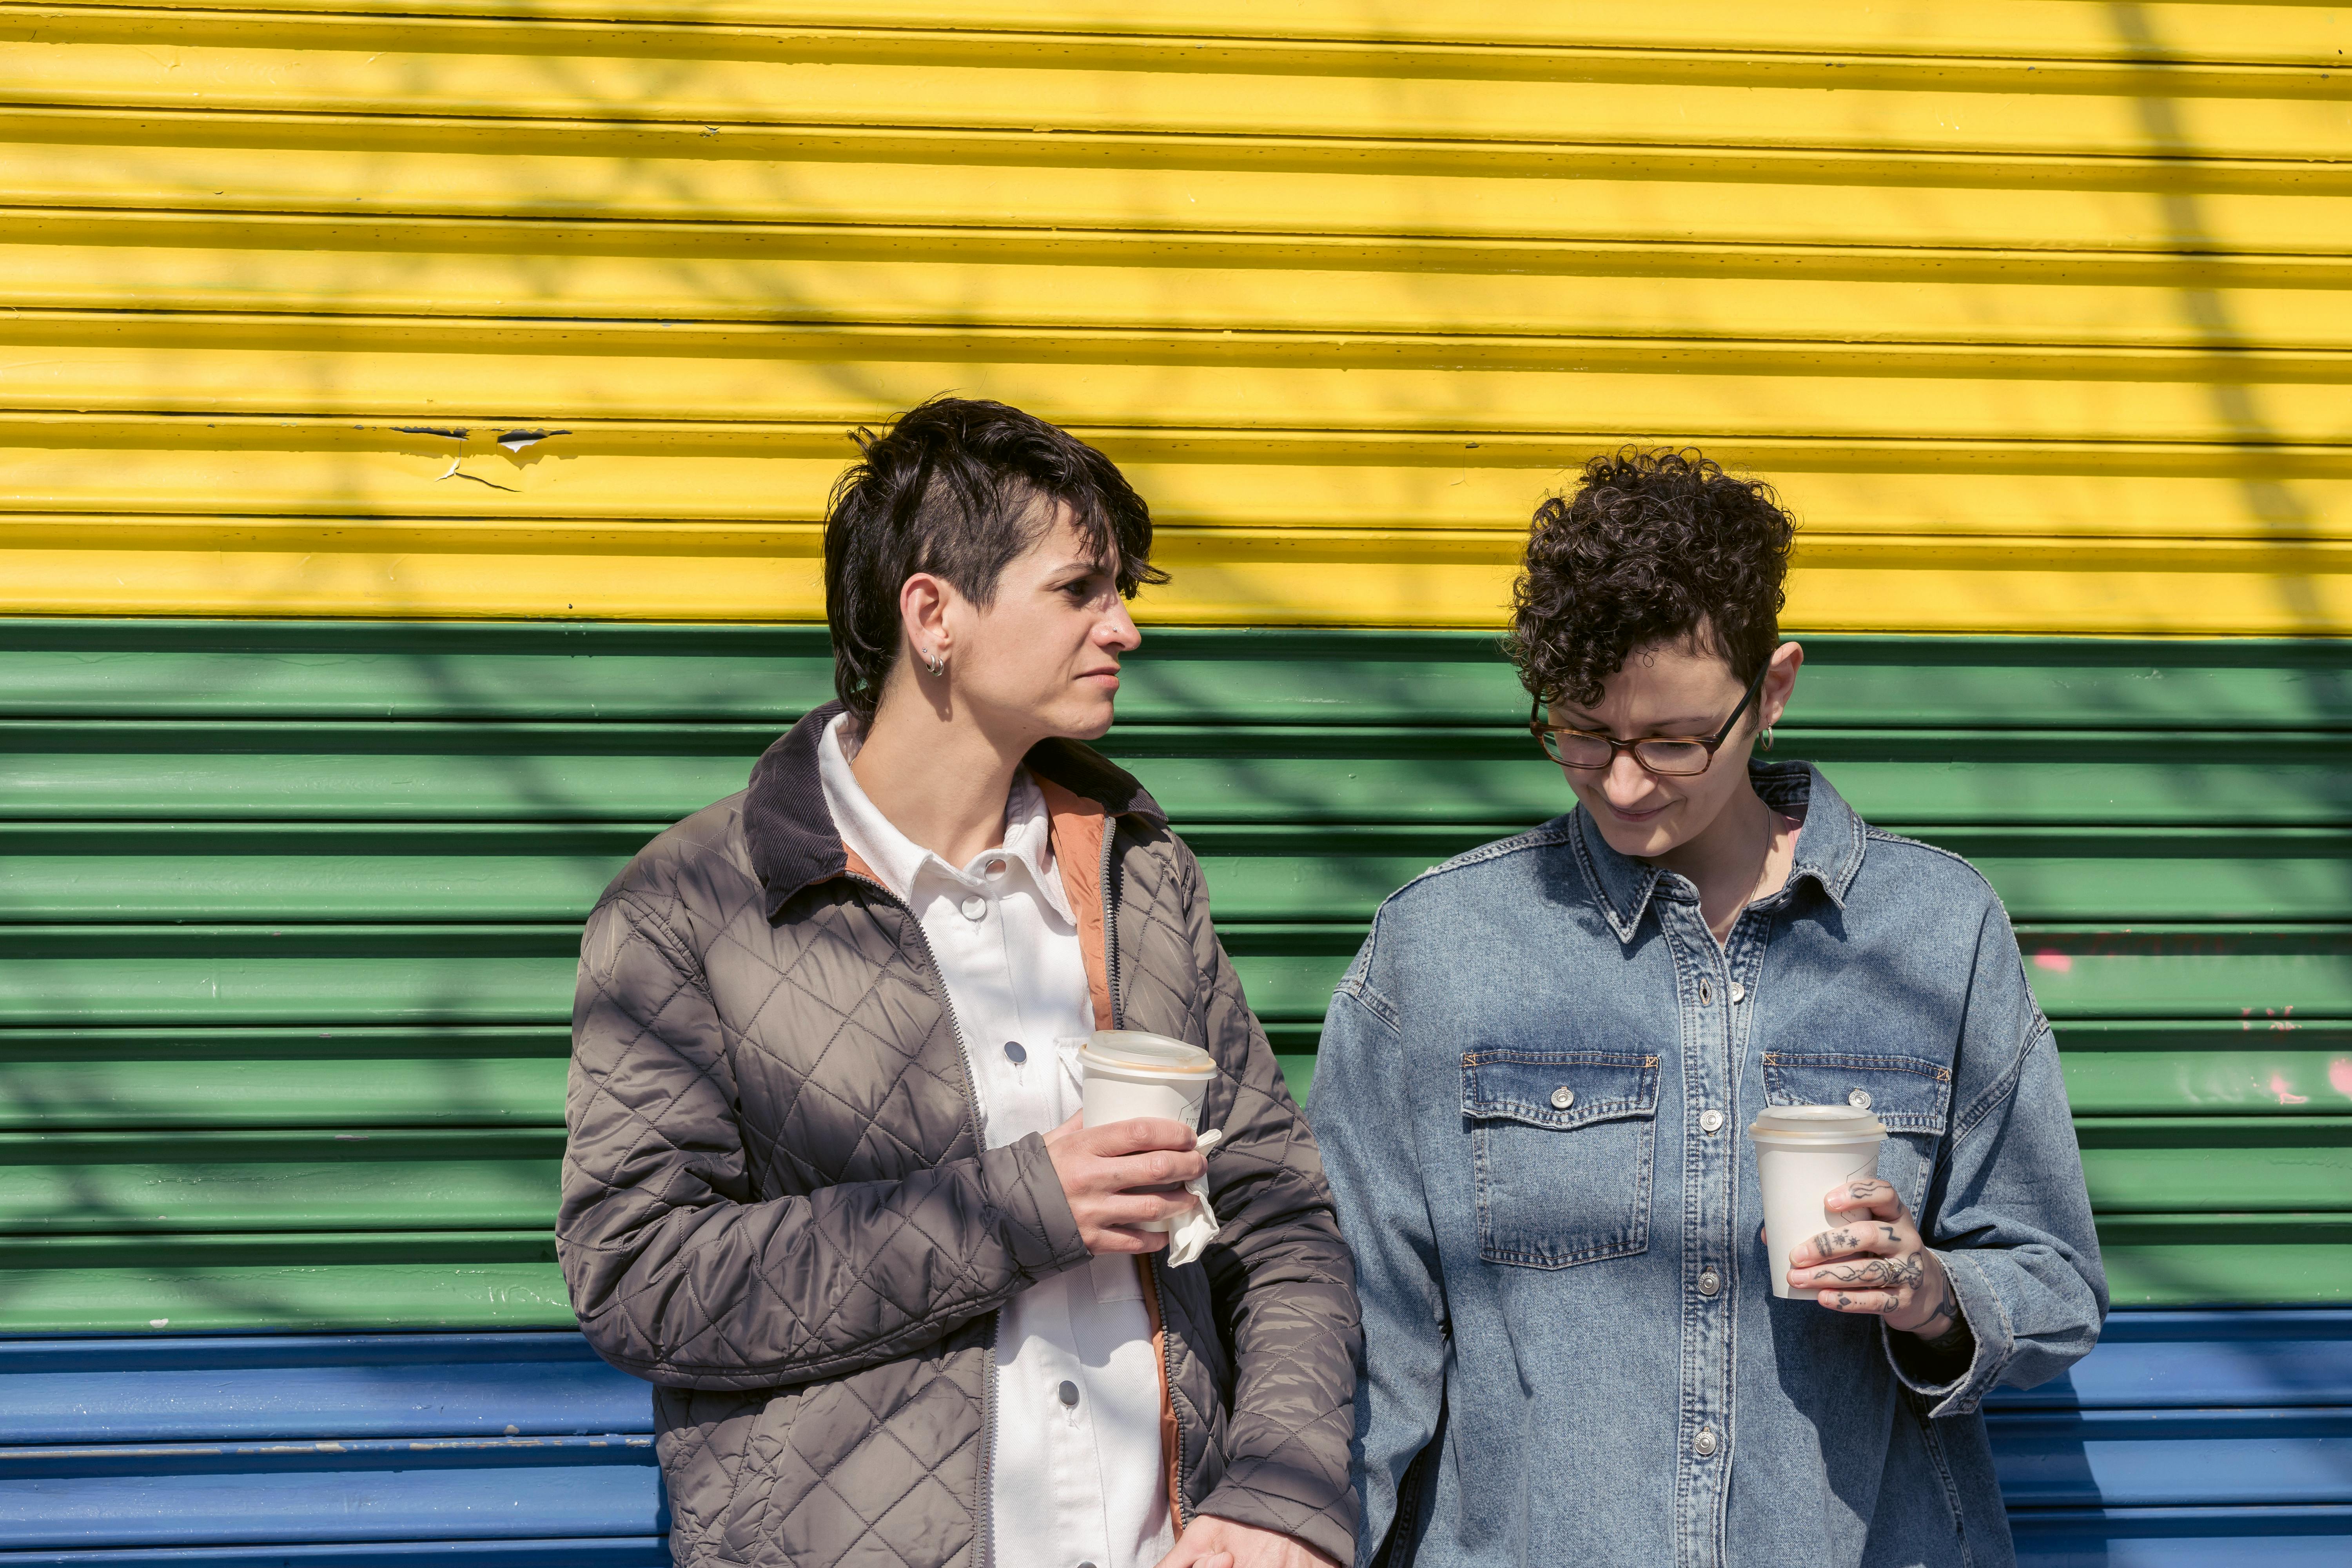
(777, 1208)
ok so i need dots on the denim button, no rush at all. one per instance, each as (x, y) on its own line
(1562, 1098)
(974, 906)
(1015, 1052)
(1705, 1443)
(1705, 991)
(1710, 1282)
(1738, 992)
(1710, 1121)
(1859, 1100)
(1069, 1392)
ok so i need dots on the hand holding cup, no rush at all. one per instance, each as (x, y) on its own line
(1124, 1176)
(1875, 1262)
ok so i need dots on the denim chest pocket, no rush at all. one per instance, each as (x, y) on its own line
(1911, 1097)
(1562, 1143)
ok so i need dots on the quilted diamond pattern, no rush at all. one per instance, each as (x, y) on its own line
(775, 1208)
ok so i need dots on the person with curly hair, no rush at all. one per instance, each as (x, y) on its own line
(1535, 1084)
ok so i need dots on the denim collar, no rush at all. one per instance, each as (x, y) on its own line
(1828, 846)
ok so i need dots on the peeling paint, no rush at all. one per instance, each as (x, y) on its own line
(451, 472)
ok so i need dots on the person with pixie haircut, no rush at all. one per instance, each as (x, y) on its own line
(1535, 1084)
(826, 1186)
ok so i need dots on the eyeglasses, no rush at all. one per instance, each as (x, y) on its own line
(1670, 758)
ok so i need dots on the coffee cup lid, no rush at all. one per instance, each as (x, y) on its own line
(1817, 1124)
(1133, 1050)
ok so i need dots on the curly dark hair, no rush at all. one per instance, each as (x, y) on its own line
(958, 487)
(1654, 547)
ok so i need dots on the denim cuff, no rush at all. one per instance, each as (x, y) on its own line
(1981, 1308)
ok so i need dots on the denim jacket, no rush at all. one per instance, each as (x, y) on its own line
(1571, 1350)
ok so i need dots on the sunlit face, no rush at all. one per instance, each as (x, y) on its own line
(1043, 658)
(1678, 692)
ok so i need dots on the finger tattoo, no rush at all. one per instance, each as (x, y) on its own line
(1888, 1273)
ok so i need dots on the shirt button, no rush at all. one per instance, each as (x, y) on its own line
(974, 906)
(1710, 1282)
(1705, 1443)
(1859, 1100)
(1705, 991)
(1562, 1098)
(1069, 1392)
(1738, 992)
(1015, 1052)
(1710, 1121)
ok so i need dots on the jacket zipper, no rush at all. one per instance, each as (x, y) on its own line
(1150, 1261)
(1110, 919)
(1168, 1382)
(985, 1543)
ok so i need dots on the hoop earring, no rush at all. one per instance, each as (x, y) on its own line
(1768, 730)
(934, 663)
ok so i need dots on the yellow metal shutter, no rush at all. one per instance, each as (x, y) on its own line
(2035, 309)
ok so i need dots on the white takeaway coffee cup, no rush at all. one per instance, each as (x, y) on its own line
(1126, 1073)
(1802, 1151)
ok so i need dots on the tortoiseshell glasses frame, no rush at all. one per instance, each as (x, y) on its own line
(1668, 756)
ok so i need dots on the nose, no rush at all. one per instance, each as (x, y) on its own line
(1626, 780)
(1117, 631)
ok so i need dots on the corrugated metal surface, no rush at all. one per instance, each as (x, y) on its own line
(2205, 1438)
(292, 912)
(435, 309)
(2036, 307)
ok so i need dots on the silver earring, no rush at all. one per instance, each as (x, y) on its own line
(934, 663)
(1768, 730)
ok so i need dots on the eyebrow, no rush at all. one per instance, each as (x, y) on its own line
(1663, 729)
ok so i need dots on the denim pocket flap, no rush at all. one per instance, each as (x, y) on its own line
(1558, 1089)
(1908, 1094)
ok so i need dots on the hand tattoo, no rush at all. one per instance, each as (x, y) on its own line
(1884, 1273)
(1945, 1329)
(1830, 1243)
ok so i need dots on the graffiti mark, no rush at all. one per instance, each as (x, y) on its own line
(2286, 1096)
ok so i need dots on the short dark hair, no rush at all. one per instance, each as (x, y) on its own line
(1654, 547)
(958, 487)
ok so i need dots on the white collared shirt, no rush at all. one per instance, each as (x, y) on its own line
(1079, 1475)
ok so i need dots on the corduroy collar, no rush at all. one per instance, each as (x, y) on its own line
(790, 833)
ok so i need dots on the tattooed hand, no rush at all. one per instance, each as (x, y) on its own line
(1876, 1263)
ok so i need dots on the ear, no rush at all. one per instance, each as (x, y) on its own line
(923, 615)
(1781, 680)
